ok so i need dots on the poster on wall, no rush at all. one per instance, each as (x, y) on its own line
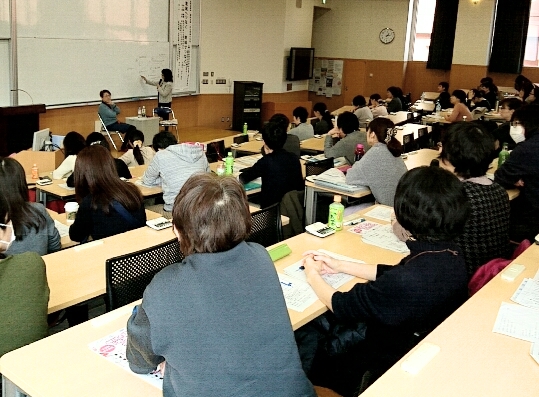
(183, 36)
(327, 77)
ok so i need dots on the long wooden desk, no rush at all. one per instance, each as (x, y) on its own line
(348, 108)
(398, 118)
(313, 144)
(473, 360)
(427, 106)
(62, 364)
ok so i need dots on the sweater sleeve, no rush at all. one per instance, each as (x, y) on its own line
(514, 168)
(248, 174)
(331, 147)
(82, 228)
(151, 176)
(54, 243)
(139, 352)
(66, 168)
(164, 89)
(357, 175)
(128, 158)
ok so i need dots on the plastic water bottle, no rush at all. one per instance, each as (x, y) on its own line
(144, 111)
(139, 112)
(229, 164)
(504, 154)
(360, 151)
(244, 128)
(422, 97)
(336, 213)
(35, 172)
(438, 108)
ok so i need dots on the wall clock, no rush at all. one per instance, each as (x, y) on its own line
(387, 35)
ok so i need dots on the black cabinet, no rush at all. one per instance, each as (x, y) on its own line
(247, 105)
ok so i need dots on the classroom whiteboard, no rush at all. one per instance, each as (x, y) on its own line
(68, 52)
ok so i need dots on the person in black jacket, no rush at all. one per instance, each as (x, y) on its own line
(280, 170)
(400, 304)
(444, 99)
(521, 169)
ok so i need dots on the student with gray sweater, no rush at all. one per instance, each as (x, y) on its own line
(342, 140)
(171, 166)
(382, 167)
(218, 319)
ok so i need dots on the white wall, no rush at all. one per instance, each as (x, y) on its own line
(351, 28)
(473, 32)
(248, 40)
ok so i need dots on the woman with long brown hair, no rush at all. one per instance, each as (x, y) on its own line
(107, 205)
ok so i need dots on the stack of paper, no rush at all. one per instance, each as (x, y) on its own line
(62, 229)
(335, 179)
(381, 212)
(383, 236)
(518, 322)
(527, 293)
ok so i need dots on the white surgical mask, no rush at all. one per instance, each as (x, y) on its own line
(517, 133)
(8, 243)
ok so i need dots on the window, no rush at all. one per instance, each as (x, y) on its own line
(531, 54)
(422, 28)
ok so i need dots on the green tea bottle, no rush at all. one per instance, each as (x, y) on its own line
(336, 213)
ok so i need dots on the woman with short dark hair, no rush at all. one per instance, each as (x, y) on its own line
(73, 143)
(377, 110)
(325, 119)
(466, 152)
(394, 99)
(107, 205)
(402, 303)
(362, 111)
(342, 140)
(218, 319)
(460, 110)
(33, 227)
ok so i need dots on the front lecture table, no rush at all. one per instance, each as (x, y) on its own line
(62, 364)
(473, 360)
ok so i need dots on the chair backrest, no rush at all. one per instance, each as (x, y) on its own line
(241, 138)
(317, 167)
(160, 111)
(292, 207)
(215, 151)
(490, 269)
(103, 126)
(266, 228)
(422, 141)
(408, 144)
(128, 275)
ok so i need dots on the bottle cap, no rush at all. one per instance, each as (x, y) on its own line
(337, 198)
(359, 145)
(229, 154)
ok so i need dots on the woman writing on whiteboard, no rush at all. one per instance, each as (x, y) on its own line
(164, 90)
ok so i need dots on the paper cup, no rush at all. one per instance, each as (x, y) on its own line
(71, 209)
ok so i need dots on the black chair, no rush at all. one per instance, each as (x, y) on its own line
(129, 275)
(408, 144)
(266, 229)
(422, 141)
(317, 167)
(241, 138)
(293, 208)
(215, 151)
(407, 101)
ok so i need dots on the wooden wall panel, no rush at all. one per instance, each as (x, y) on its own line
(384, 75)
(419, 79)
(212, 107)
(466, 76)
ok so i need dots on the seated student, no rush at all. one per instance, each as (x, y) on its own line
(109, 111)
(478, 101)
(33, 226)
(519, 82)
(24, 293)
(218, 320)
(280, 170)
(362, 111)
(325, 119)
(444, 99)
(342, 140)
(292, 141)
(503, 133)
(521, 169)
(525, 91)
(399, 304)
(137, 154)
(533, 97)
(107, 205)
(377, 110)
(490, 90)
(171, 166)
(303, 130)
(460, 110)
(394, 101)
(381, 167)
(73, 144)
(96, 138)
(466, 152)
